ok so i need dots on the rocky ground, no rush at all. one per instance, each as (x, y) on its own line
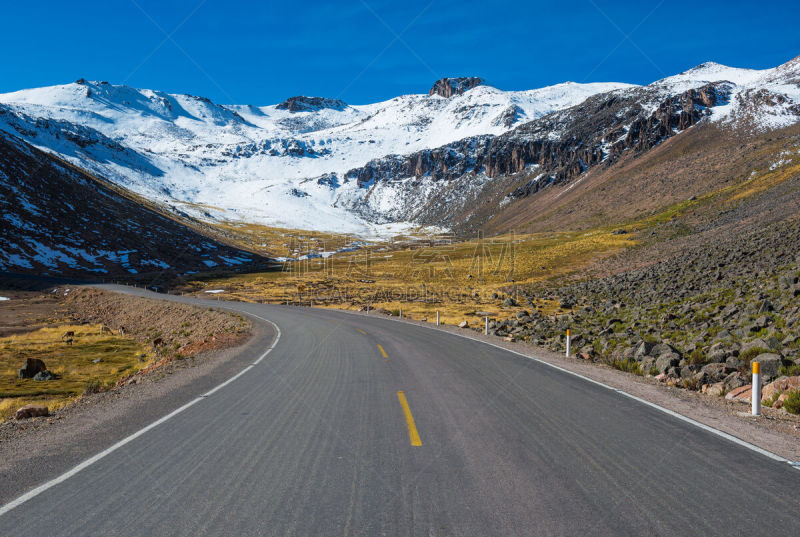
(696, 320)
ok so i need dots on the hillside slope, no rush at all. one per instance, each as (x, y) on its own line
(278, 165)
(58, 220)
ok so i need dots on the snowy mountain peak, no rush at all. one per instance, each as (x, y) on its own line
(710, 72)
(291, 164)
(447, 87)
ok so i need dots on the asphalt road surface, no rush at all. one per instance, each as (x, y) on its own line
(360, 426)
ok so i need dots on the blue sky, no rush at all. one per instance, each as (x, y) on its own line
(364, 51)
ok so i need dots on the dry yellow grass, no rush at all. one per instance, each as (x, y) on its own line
(422, 276)
(72, 364)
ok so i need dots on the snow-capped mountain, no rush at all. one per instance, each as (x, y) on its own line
(265, 164)
(320, 163)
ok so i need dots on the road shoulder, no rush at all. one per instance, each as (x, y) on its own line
(34, 451)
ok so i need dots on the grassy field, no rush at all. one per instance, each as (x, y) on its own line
(73, 365)
(423, 275)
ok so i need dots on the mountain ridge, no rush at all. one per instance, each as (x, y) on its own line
(313, 161)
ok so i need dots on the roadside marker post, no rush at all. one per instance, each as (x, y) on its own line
(486, 326)
(437, 317)
(401, 313)
(567, 342)
(756, 406)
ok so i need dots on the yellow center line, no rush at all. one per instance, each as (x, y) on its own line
(413, 434)
(361, 331)
(383, 352)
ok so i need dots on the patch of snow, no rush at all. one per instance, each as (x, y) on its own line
(259, 163)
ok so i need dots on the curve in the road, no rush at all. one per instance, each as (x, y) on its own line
(315, 440)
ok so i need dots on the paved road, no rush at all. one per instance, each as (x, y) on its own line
(314, 441)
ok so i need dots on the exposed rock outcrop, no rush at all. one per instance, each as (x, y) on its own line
(598, 130)
(447, 87)
(302, 103)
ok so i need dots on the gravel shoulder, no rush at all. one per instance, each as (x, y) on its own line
(33, 451)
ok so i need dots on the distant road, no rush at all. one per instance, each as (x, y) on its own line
(360, 426)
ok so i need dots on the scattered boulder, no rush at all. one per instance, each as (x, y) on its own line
(663, 348)
(666, 361)
(31, 411)
(757, 343)
(734, 380)
(717, 353)
(715, 371)
(31, 368)
(742, 393)
(509, 302)
(643, 349)
(463, 324)
(770, 364)
(779, 386)
(733, 363)
(44, 375)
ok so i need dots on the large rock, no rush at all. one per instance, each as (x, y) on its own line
(715, 371)
(647, 364)
(31, 368)
(663, 348)
(643, 349)
(734, 380)
(716, 389)
(44, 375)
(667, 361)
(31, 411)
(447, 87)
(733, 364)
(757, 343)
(780, 385)
(770, 364)
(717, 353)
(743, 393)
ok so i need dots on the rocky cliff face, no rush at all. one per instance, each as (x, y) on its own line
(562, 145)
(310, 104)
(447, 87)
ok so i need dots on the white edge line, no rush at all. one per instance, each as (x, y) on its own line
(88, 462)
(672, 413)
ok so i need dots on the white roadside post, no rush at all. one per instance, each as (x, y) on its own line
(367, 308)
(401, 313)
(486, 326)
(567, 342)
(756, 410)
(437, 317)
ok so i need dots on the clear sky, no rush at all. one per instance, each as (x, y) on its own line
(261, 52)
